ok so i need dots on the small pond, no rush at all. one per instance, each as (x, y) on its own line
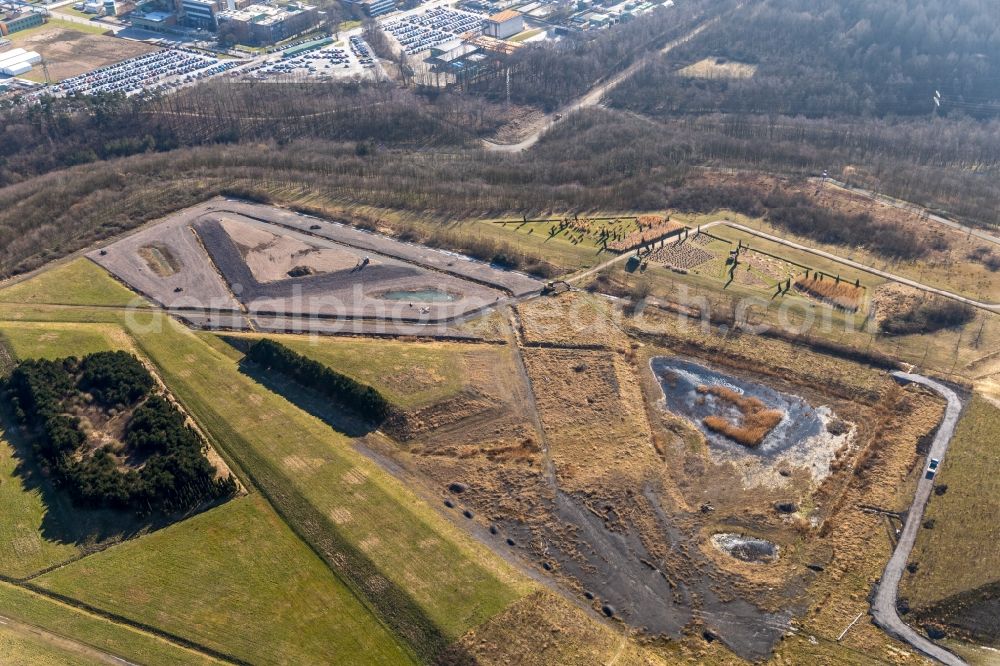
(428, 295)
(745, 548)
(800, 439)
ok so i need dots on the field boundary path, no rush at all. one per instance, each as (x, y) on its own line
(61, 642)
(883, 607)
(991, 307)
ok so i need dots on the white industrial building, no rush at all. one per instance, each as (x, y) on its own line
(503, 25)
(18, 62)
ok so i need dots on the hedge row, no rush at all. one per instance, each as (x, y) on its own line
(353, 395)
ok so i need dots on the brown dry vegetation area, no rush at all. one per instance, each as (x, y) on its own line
(487, 442)
(543, 629)
(756, 423)
(573, 318)
(592, 411)
(843, 295)
(785, 361)
(850, 545)
(884, 476)
(718, 68)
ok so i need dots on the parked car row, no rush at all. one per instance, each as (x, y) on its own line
(144, 72)
(360, 49)
(323, 62)
(434, 27)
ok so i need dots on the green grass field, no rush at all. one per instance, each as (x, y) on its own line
(128, 643)
(235, 579)
(408, 374)
(52, 341)
(304, 592)
(79, 282)
(95, 29)
(960, 553)
(337, 499)
(420, 573)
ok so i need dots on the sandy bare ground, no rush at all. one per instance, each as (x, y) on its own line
(373, 244)
(270, 256)
(712, 68)
(70, 53)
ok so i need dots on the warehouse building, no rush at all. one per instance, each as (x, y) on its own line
(503, 25)
(18, 62)
(16, 21)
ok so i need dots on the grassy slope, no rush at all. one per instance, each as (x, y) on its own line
(98, 632)
(79, 282)
(52, 341)
(960, 553)
(408, 374)
(534, 238)
(236, 579)
(335, 497)
(299, 631)
(394, 544)
(959, 275)
(96, 29)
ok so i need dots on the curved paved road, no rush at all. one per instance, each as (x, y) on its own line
(883, 608)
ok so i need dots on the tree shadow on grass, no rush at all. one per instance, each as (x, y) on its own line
(335, 416)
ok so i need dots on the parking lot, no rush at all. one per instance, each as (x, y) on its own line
(419, 32)
(330, 61)
(157, 71)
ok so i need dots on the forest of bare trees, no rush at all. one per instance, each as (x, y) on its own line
(549, 74)
(867, 58)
